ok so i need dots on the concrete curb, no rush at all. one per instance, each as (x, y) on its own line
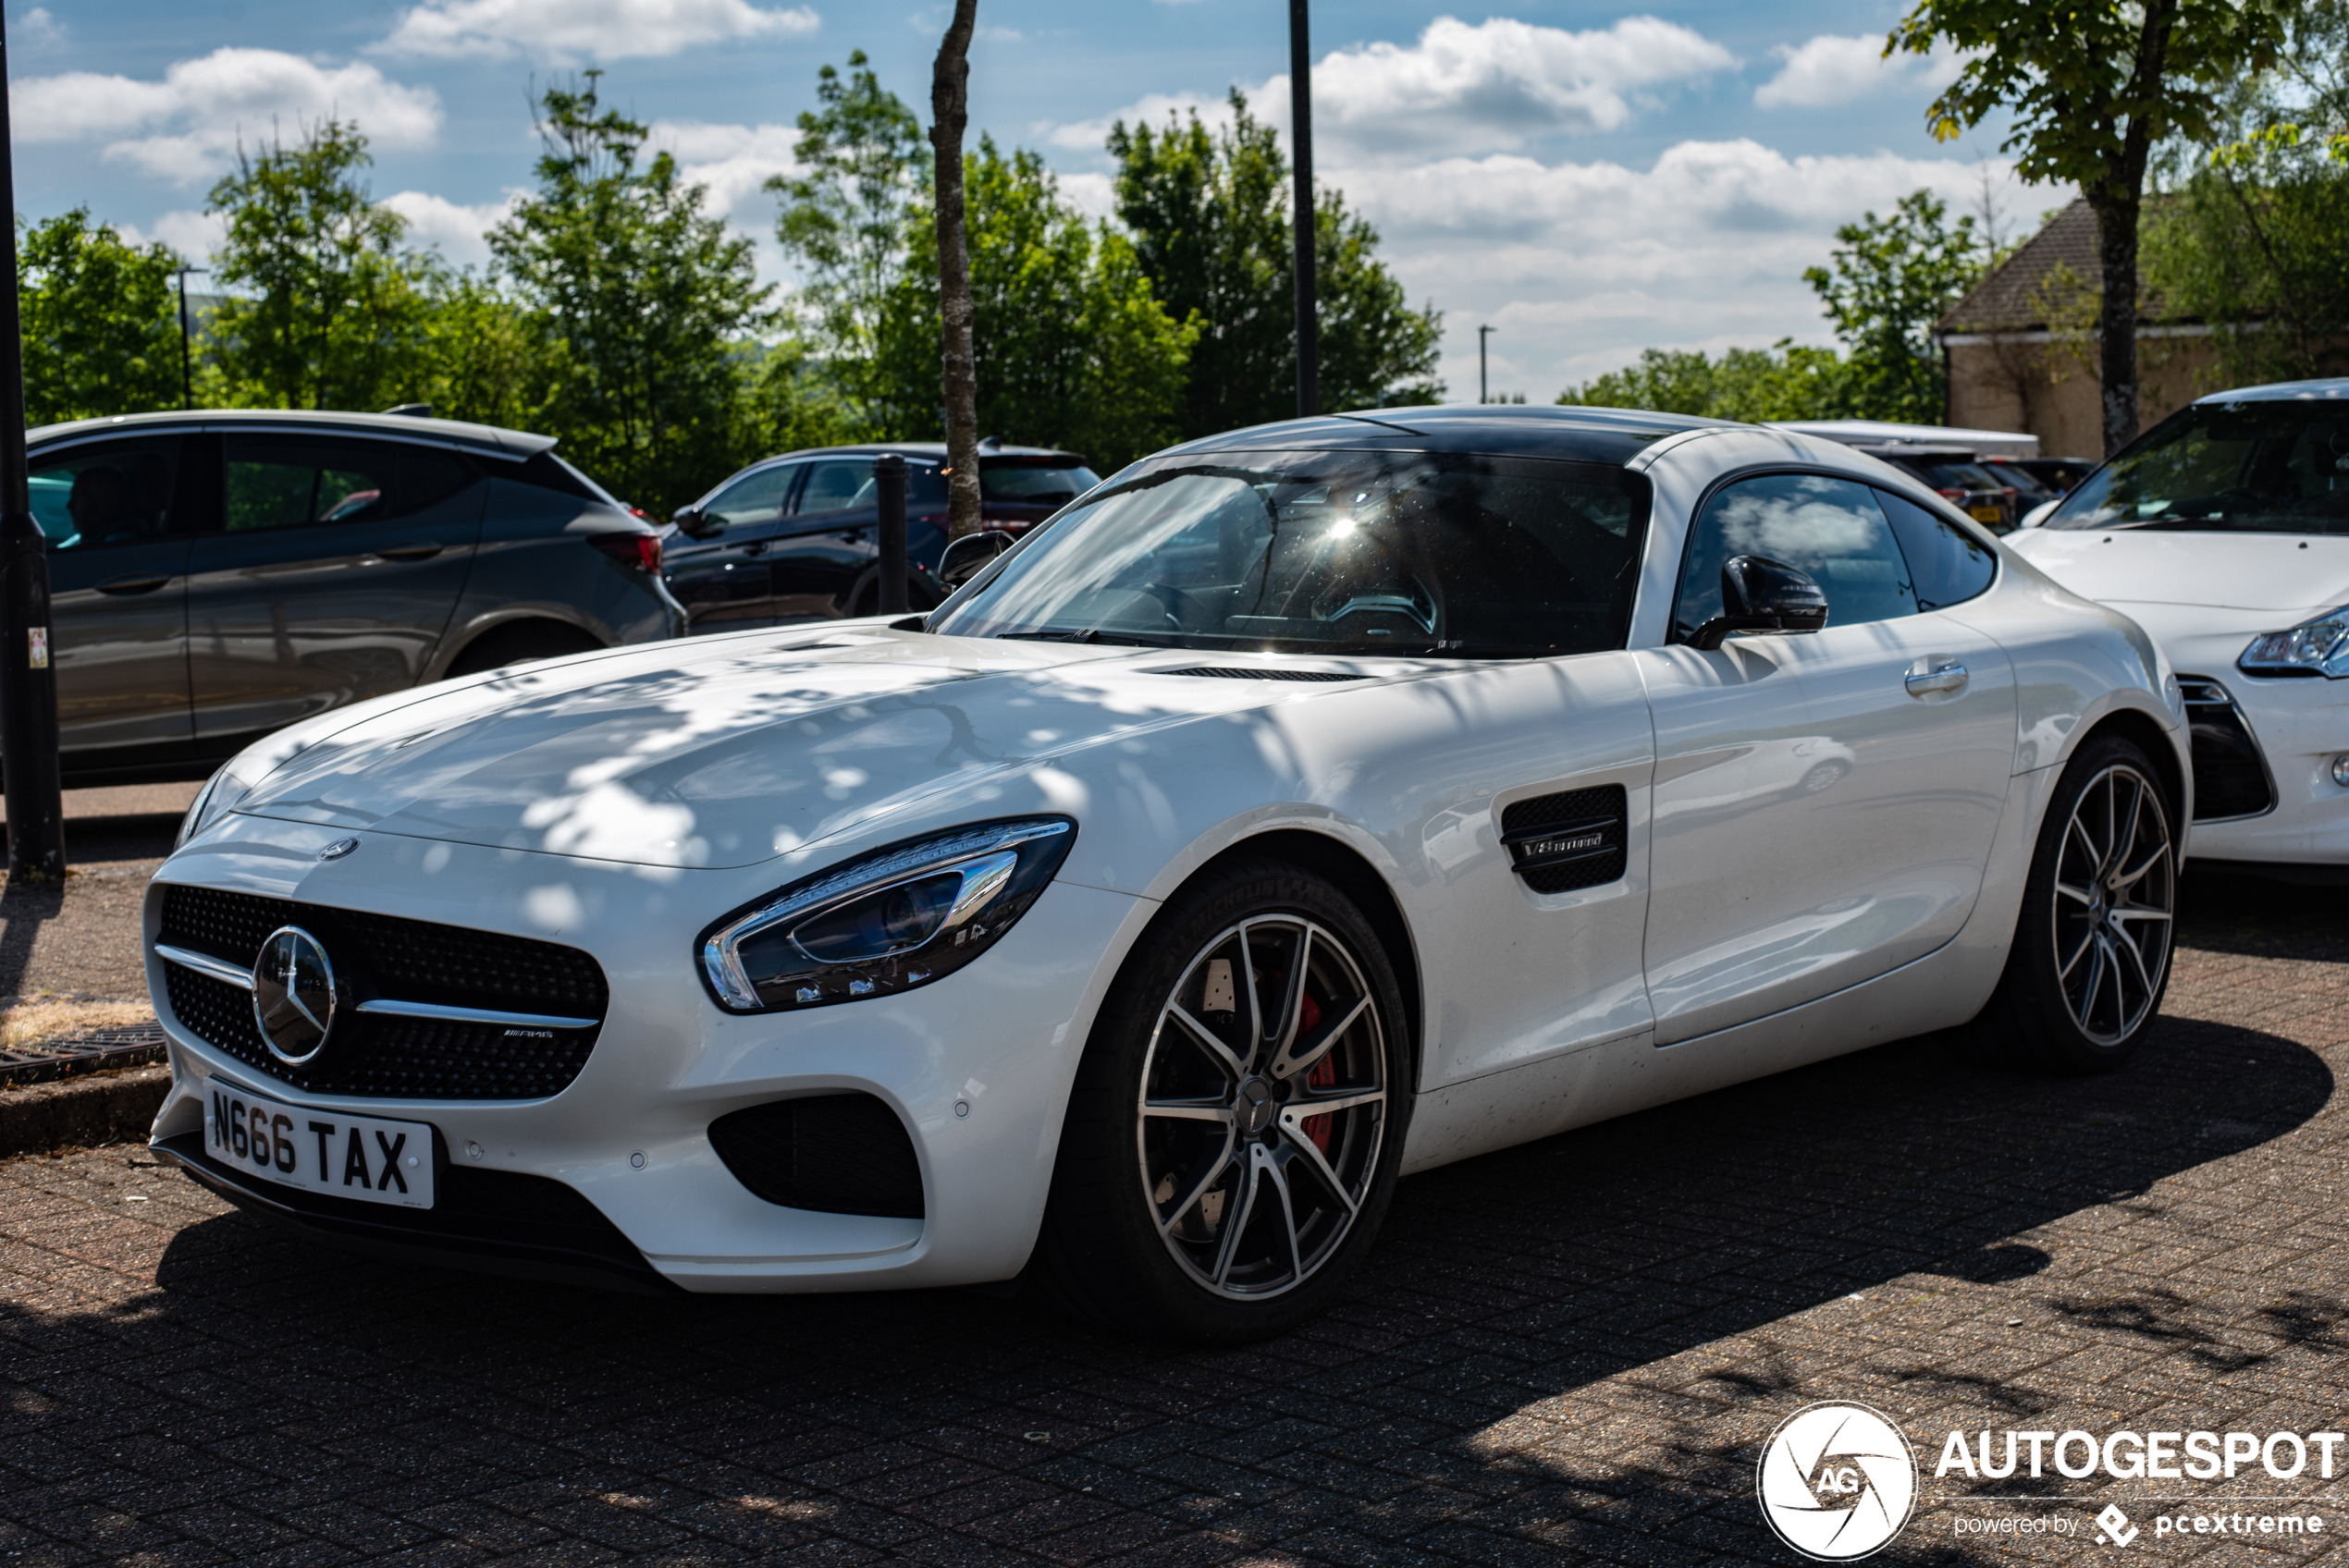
(102, 1107)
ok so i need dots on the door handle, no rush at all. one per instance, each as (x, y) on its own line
(756, 547)
(1943, 676)
(131, 584)
(423, 552)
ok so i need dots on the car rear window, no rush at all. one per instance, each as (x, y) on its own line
(1034, 480)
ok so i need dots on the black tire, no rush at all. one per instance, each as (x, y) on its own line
(2090, 961)
(520, 643)
(1104, 1250)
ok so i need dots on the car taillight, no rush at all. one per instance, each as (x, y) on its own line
(1952, 495)
(639, 550)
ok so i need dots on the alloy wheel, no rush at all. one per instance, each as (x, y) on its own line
(2115, 890)
(1262, 1108)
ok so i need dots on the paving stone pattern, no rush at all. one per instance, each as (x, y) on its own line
(1571, 1352)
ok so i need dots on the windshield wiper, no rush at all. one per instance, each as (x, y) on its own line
(1092, 634)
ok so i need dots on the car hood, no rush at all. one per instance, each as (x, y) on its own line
(726, 751)
(2271, 572)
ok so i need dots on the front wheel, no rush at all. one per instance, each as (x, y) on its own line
(1237, 1123)
(2091, 954)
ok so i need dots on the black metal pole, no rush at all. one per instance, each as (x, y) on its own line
(28, 684)
(1300, 109)
(187, 378)
(889, 486)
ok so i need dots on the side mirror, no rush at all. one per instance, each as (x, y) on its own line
(965, 557)
(1761, 595)
(694, 523)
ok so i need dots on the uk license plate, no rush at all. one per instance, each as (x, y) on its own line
(363, 1157)
(1984, 514)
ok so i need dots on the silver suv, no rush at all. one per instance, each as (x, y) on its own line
(214, 576)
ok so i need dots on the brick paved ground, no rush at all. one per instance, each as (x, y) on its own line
(1568, 1352)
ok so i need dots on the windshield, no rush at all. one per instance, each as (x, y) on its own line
(1033, 480)
(1330, 552)
(2263, 466)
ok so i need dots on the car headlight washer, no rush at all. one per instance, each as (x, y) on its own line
(898, 918)
(2317, 646)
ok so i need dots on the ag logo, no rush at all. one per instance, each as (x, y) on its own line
(1836, 1481)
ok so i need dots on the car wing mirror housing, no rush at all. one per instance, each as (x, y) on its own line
(968, 555)
(694, 523)
(1761, 595)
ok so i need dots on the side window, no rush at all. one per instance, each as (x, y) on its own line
(87, 498)
(295, 481)
(836, 485)
(1831, 528)
(755, 498)
(1946, 565)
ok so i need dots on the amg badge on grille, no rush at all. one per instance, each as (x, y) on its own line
(294, 995)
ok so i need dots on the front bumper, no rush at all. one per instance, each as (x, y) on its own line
(978, 1068)
(2298, 727)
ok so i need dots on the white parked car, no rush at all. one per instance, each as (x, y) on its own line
(1303, 808)
(2224, 531)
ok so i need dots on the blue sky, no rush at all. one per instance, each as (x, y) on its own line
(1588, 179)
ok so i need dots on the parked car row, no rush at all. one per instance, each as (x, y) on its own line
(1993, 476)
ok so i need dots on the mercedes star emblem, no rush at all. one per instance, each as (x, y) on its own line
(338, 849)
(294, 995)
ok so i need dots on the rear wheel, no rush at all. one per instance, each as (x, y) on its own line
(520, 643)
(2091, 955)
(1233, 1137)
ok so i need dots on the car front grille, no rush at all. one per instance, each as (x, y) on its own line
(2230, 778)
(381, 1054)
(1565, 842)
(840, 1154)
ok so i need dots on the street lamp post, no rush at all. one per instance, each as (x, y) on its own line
(1483, 384)
(1300, 108)
(28, 684)
(187, 373)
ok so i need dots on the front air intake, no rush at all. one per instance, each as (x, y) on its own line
(839, 1154)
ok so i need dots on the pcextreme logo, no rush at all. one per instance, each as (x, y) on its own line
(1836, 1481)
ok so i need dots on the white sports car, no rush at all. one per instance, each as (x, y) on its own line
(1303, 808)
(2224, 531)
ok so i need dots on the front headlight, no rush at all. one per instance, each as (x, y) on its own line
(220, 793)
(2313, 647)
(887, 922)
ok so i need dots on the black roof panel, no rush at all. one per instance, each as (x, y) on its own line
(1585, 435)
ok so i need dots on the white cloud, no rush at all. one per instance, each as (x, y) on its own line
(1580, 265)
(1459, 89)
(1496, 85)
(577, 31)
(733, 161)
(38, 32)
(194, 234)
(1830, 70)
(185, 127)
(457, 231)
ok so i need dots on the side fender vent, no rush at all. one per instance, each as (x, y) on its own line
(838, 1154)
(1566, 843)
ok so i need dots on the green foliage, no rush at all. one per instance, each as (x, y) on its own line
(100, 321)
(1076, 350)
(1889, 281)
(1784, 380)
(641, 294)
(1209, 215)
(491, 356)
(2250, 239)
(337, 316)
(850, 217)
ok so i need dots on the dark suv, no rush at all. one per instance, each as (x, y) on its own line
(797, 537)
(214, 576)
(1957, 477)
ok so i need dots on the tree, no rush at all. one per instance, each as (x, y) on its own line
(950, 111)
(849, 217)
(100, 326)
(2094, 86)
(492, 358)
(337, 317)
(1890, 280)
(2249, 240)
(1209, 215)
(642, 294)
(1078, 351)
(1782, 381)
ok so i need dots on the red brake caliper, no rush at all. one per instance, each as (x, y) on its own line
(1324, 1073)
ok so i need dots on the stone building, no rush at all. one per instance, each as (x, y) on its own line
(2021, 346)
